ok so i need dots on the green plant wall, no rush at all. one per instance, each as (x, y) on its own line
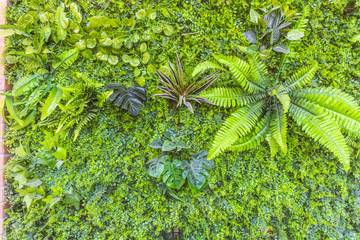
(305, 194)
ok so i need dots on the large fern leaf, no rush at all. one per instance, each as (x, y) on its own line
(340, 105)
(278, 126)
(274, 146)
(301, 78)
(231, 97)
(259, 71)
(321, 128)
(256, 137)
(202, 67)
(26, 83)
(241, 70)
(283, 97)
(236, 126)
(66, 58)
(85, 121)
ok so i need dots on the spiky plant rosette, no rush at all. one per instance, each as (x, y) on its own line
(176, 88)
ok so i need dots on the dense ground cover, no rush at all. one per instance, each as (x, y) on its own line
(98, 186)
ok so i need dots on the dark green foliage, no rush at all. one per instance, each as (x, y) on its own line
(305, 195)
(195, 170)
(271, 27)
(128, 98)
(178, 89)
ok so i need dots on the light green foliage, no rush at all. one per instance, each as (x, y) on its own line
(319, 116)
(249, 195)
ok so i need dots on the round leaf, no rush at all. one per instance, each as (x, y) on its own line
(113, 60)
(134, 62)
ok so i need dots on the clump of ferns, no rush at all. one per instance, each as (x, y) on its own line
(80, 104)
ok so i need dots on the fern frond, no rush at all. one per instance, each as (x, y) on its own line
(26, 83)
(341, 106)
(274, 146)
(202, 67)
(301, 78)
(231, 97)
(85, 121)
(256, 137)
(321, 128)
(66, 58)
(241, 70)
(278, 126)
(236, 126)
(259, 71)
(300, 25)
(283, 97)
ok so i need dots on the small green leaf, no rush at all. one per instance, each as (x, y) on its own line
(134, 37)
(143, 47)
(137, 72)
(10, 107)
(140, 14)
(165, 12)
(168, 30)
(126, 58)
(356, 38)
(60, 153)
(113, 60)
(294, 34)
(91, 43)
(7, 33)
(151, 13)
(134, 62)
(102, 56)
(151, 69)
(146, 57)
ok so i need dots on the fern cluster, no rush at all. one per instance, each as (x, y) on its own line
(263, 107)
